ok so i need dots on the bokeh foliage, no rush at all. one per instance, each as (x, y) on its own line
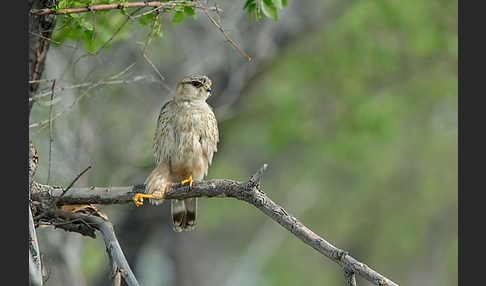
(96, 29)
(365, 114)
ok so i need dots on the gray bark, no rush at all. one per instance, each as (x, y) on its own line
(249, 192)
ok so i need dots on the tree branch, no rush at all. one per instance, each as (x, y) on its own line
(35, 264)
(35, 275)
(33, 162)
(38, 47)
(220, 27)
(113, 248)
(171, 4)
(248, 191)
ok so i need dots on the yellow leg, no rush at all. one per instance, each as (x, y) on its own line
(138, 198)
(157, 195)
(188, 180)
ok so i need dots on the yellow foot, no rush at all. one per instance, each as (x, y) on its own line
(188, 180)
(138, 198)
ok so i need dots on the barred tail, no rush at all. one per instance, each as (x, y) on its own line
(184, 214)
(156, 182)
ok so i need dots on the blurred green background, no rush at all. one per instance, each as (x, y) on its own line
(353, 106)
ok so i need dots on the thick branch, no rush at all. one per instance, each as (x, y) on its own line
(171, 4)
(113, 248)
(246, 191)
(35, 264)
(41, 25)
(34, 273)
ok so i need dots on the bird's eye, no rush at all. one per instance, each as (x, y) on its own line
(196, 84)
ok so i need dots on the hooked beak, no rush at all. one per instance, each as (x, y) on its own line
(208, 89)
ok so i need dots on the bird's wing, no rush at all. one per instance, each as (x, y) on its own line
(164, 135)
(210, 136)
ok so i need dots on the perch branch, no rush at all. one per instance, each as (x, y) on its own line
(113, 248)
(248, 191)
(171, 4)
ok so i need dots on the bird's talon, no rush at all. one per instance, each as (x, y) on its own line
(188, 180)
(138, 198)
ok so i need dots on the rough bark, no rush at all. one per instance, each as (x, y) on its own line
(113, 247)
(246, 191)
(40, 30)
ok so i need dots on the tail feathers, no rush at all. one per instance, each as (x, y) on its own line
(184, 214)
(191, 211)
(156, 182)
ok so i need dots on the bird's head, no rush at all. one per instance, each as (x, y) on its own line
(194, 87)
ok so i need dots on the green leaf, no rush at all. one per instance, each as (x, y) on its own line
(146, 19)
(269, 9)
(178, 17)
(251, 11)
(190, 12)
(284, 3)
(247, 4)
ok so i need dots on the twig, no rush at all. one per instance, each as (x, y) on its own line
(70, 185)
(113, 35)
(118, 75)
(54, 203)
(246, 191)
(102, 82)
(220, 27)
(50, 132)
(170, 4)
(111, 242)
(52, 41)
(57, 115)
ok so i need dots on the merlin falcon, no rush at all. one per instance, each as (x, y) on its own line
(184, 143)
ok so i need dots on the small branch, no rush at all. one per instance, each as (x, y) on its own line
(33, 161)
(56, 200)
(58, 114)
(220, 27)
(246, 191)
(350, 278)
(50, 132)
(171, 4)
(102, 82)
(111, 242)
(52, 41)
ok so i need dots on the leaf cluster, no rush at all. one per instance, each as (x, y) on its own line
(268, 7)
(96, 29)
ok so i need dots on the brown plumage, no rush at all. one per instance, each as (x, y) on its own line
(184, 143)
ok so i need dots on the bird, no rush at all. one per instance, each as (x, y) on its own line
(184, 143)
